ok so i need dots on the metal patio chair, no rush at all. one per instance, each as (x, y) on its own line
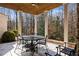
(21, 44)
(43, 43)
(68, 51)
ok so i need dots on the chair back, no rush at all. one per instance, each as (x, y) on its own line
(65, 44)
(75, 47)
(17, 37)
(43, 41)
(46, 38)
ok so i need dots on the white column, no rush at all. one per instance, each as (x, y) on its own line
(19, 22)
(65, 24)
(46, 24)
(35, 29)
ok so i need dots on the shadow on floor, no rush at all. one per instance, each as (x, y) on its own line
(41, 52)
(6, 48)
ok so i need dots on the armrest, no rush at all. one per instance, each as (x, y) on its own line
(61, 47)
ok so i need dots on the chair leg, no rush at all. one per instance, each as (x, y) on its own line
(22, 49)
(36, 49)
(16, 47)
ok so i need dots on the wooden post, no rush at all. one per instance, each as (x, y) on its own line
(46, 24)
(19, 22)
(35, 29)
(65, 23)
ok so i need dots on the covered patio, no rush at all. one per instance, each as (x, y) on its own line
(36, 9)
(7, 49)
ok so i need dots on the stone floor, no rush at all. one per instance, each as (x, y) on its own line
(8, 49)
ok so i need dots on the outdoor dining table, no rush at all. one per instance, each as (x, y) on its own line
(34, 39)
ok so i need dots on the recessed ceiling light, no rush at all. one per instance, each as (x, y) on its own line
(33, 4)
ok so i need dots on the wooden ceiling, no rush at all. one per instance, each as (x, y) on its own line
(33, 8)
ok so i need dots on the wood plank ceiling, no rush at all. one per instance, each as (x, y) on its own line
(33, 8)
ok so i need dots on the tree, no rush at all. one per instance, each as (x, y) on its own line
(41, 24)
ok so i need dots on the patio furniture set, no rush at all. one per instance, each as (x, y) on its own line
(33, 42)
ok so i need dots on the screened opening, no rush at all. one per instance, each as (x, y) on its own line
(72, 16)
(11, 25)
(55, 24)
(27, 23)
(41, 24)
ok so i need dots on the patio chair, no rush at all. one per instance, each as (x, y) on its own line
(68, 51)
(43, 42)
(25, 44)
(18, 42)
(21, 43)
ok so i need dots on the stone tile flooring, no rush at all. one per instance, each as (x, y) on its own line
(8, 49)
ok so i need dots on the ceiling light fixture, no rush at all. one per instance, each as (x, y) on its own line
(33, 4)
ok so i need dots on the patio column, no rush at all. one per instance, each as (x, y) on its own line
(65, 23)
(19, 22)
(35, 29)
(46, 24)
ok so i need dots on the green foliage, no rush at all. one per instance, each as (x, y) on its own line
(41, 26)
(15, 32)
(71, 39)
(8, 36)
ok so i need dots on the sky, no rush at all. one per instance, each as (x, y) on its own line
(58, 9)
